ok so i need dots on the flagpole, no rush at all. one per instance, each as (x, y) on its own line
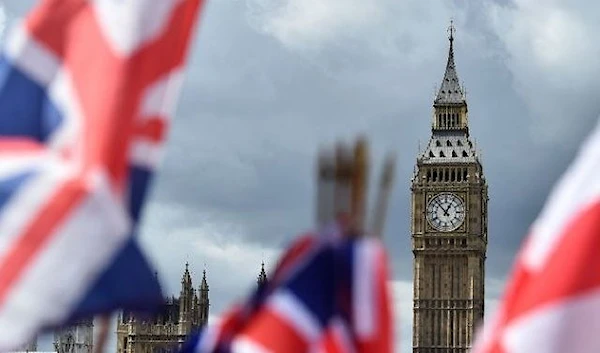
(381, 204)
(359, 187)
(103, 333)
(344, 170)
(342, 181)
(325, 188)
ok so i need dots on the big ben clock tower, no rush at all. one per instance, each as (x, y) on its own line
(449, 227)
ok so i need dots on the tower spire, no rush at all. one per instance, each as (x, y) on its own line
(450, 91)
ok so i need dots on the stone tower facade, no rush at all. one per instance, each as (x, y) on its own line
(449, 227)
(167, 331)
(78, 338)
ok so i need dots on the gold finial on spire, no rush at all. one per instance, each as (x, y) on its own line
(451, 31)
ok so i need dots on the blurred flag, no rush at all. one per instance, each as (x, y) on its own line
(552, 303)
(86, 90)
(328, 294)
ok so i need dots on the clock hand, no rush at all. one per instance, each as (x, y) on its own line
(442, 207)
(446, 210)
(436, 202)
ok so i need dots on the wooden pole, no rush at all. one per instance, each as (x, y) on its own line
(381, 204)
(103, 333)
(359, 187)
(325, 188)
(343, 184)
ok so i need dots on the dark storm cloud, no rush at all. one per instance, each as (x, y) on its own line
(269, 118)
(247, 146)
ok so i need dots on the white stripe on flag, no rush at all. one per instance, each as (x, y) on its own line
(68, 134)
(569, 326)
(33, 59)
(127, 25)
(25, 204)
(158, 102)
(145, 154)
(577, 188)
(363, 291)
(76, 254)
(245, 345)
(288, 307)
(342, 335)
(208, 339)
(160, 99)
(13, 164)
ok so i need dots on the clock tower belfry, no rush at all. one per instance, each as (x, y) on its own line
(448, 226)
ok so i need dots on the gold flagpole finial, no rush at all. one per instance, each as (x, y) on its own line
(342, 183)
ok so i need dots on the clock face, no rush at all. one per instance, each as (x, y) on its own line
(446, 212)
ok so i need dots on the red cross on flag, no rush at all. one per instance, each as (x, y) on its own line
(552, 304)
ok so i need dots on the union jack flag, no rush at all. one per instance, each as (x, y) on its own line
(86, 90)
(552, 302)
(328, 294)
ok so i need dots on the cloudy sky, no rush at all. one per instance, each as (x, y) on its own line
(269, 80)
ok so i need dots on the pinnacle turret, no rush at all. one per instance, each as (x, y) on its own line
(204, 284)
(203, 301)
(186, 297)
(186, 279)
(262, 276)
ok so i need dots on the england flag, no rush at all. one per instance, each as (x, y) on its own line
(552, 303)
(86, 91)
